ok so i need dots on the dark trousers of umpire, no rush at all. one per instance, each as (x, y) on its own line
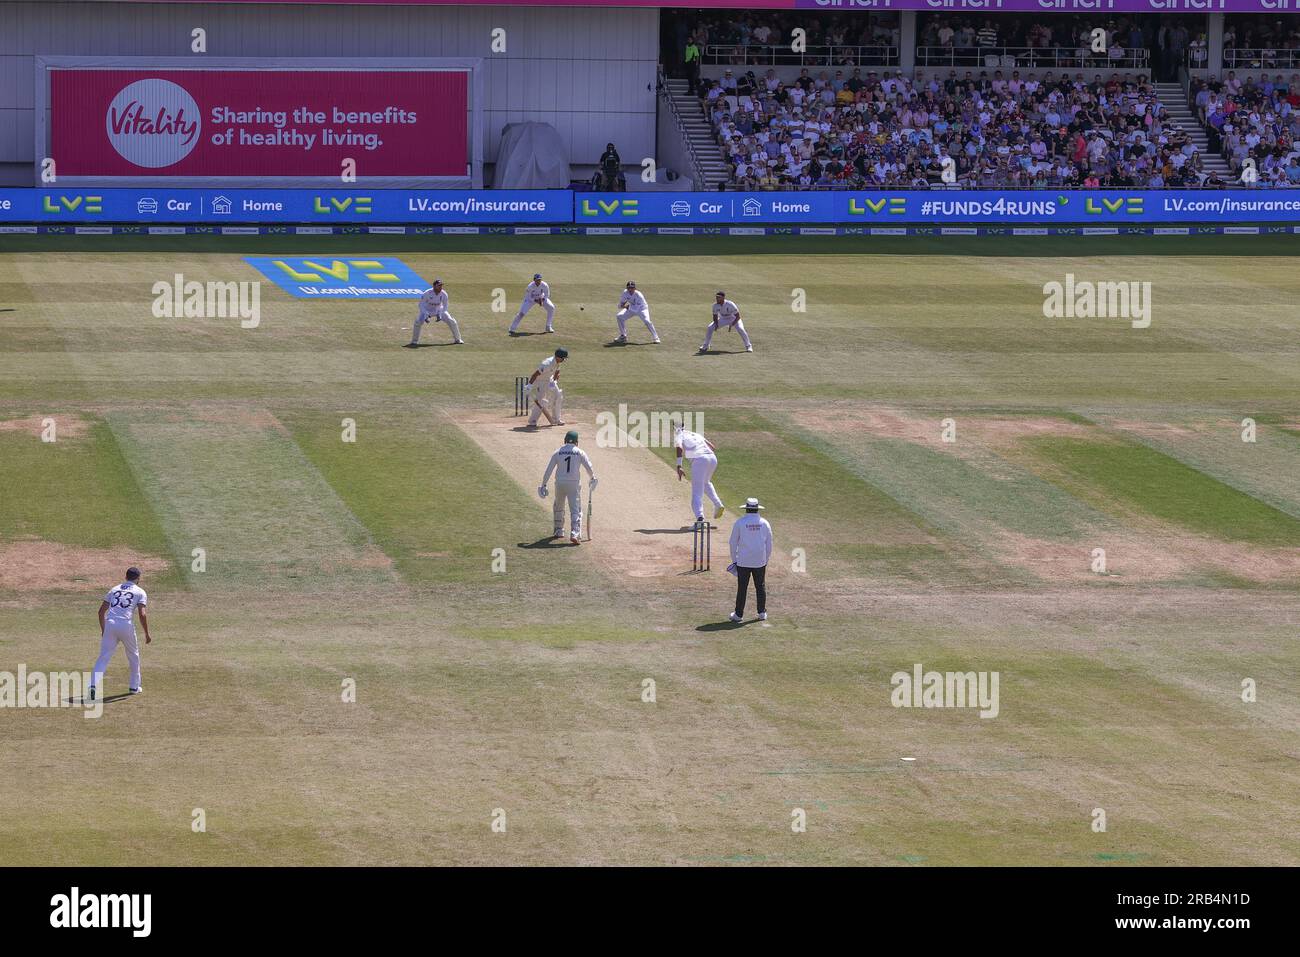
(742, 586)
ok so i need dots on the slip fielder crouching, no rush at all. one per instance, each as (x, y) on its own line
(633, 303)
(726, 315)
(536, 293)
(433, 305)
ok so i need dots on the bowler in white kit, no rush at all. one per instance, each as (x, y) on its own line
(567, 462)
(117, 626)
(633, 303)
(536, 293)
(433, 306)
(726, 315)
(704, 462)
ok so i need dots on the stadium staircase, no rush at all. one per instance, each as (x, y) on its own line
(1174, 99)
(699, 131)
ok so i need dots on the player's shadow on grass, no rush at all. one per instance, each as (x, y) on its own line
(109, 700)
(534, 428)
(685, 529)
(720, 352)
(725, 625)
(427, 345)
(521, 335)
(620, 345)
(548, 542)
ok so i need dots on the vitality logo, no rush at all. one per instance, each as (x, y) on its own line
(153, 123)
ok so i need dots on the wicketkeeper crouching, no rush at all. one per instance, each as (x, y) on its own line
(567, 463)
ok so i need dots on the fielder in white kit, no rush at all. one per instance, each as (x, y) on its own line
(633, 303)
(117, 626)
(567, 463)
(704, 463)
(433, 305)
(543, 390)
(536, 293)
(726, 314)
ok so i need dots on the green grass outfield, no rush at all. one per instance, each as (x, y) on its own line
(522, 690)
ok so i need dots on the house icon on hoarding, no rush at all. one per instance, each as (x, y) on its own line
(752, 207)
(220, 206)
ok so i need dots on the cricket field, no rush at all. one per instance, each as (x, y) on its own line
(366, 650)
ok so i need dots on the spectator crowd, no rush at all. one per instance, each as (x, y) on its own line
(967, 40)
(864, 129)
(850, 121)
(759, 37)
(1266, 42)
(1254, 123)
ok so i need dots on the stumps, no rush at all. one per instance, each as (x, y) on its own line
(521, 402)
(701, 546)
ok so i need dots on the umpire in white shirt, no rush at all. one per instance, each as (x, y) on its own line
(751, 547)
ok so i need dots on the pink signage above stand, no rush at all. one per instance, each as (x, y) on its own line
(866, 6)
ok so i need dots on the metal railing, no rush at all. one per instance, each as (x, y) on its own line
(1021, 58)
(697, 168)
(1263, 58)
(756, 54)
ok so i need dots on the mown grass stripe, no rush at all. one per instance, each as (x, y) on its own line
(430, 498)
(81, 491)
(1136, 477)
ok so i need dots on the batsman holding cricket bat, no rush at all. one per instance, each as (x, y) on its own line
(543, 391)
(567, 463)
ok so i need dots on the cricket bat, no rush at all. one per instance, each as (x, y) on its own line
(544, 412)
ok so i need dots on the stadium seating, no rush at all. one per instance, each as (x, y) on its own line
(1254, 123)
(999, 128)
